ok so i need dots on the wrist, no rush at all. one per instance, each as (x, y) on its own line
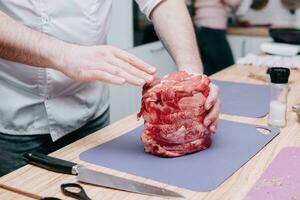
(60, 57)
(192, 68)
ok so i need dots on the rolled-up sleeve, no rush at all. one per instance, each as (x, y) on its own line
(147, 6)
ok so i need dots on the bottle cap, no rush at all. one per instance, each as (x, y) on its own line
(279, 75)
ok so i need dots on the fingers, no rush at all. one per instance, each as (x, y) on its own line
(214, 125)
(96, 75)
(213, 114)
(132, 74)
(108, 64)
(213, 96)
(213, 105)
(117, 68)
(134, 61)
(131, 79)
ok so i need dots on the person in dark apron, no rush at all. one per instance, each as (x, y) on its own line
(210, 19)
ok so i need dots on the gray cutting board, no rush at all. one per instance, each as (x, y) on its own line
(233, 145)
(243, 99)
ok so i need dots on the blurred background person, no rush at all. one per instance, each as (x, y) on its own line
(210, 19)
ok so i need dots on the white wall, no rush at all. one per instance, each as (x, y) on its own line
(274, 13)
(121, 30)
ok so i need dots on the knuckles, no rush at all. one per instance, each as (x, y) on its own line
(116, 72)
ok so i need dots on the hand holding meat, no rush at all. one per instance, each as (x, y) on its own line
(212, 104)
(174, 109)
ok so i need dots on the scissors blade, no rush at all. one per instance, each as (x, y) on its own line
(98, 178)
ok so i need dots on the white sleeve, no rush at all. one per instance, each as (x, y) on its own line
(147, 6)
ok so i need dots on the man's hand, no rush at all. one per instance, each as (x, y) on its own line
(21, 44)
(213, 105)
(105, 63)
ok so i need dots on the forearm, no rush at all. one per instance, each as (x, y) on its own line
(173, 24)
(82, 63)
(24, 45)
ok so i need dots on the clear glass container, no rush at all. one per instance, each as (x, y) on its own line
(278, 105)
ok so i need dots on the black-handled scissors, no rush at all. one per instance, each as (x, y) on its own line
(74, 190)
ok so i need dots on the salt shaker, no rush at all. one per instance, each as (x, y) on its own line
(279, 92)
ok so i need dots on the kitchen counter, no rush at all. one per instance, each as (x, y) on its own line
(42, 182)
(4, 194)
(248, 31)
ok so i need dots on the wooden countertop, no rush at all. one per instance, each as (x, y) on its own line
(4, 194)
(248, 31)
(38, 181)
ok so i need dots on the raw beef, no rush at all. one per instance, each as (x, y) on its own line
(173, 110)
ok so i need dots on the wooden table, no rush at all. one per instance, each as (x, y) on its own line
(45, 183)
(248, 31)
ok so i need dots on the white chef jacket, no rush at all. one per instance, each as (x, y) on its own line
(42, 101)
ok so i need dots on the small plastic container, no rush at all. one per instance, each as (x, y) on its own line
(279, 92)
